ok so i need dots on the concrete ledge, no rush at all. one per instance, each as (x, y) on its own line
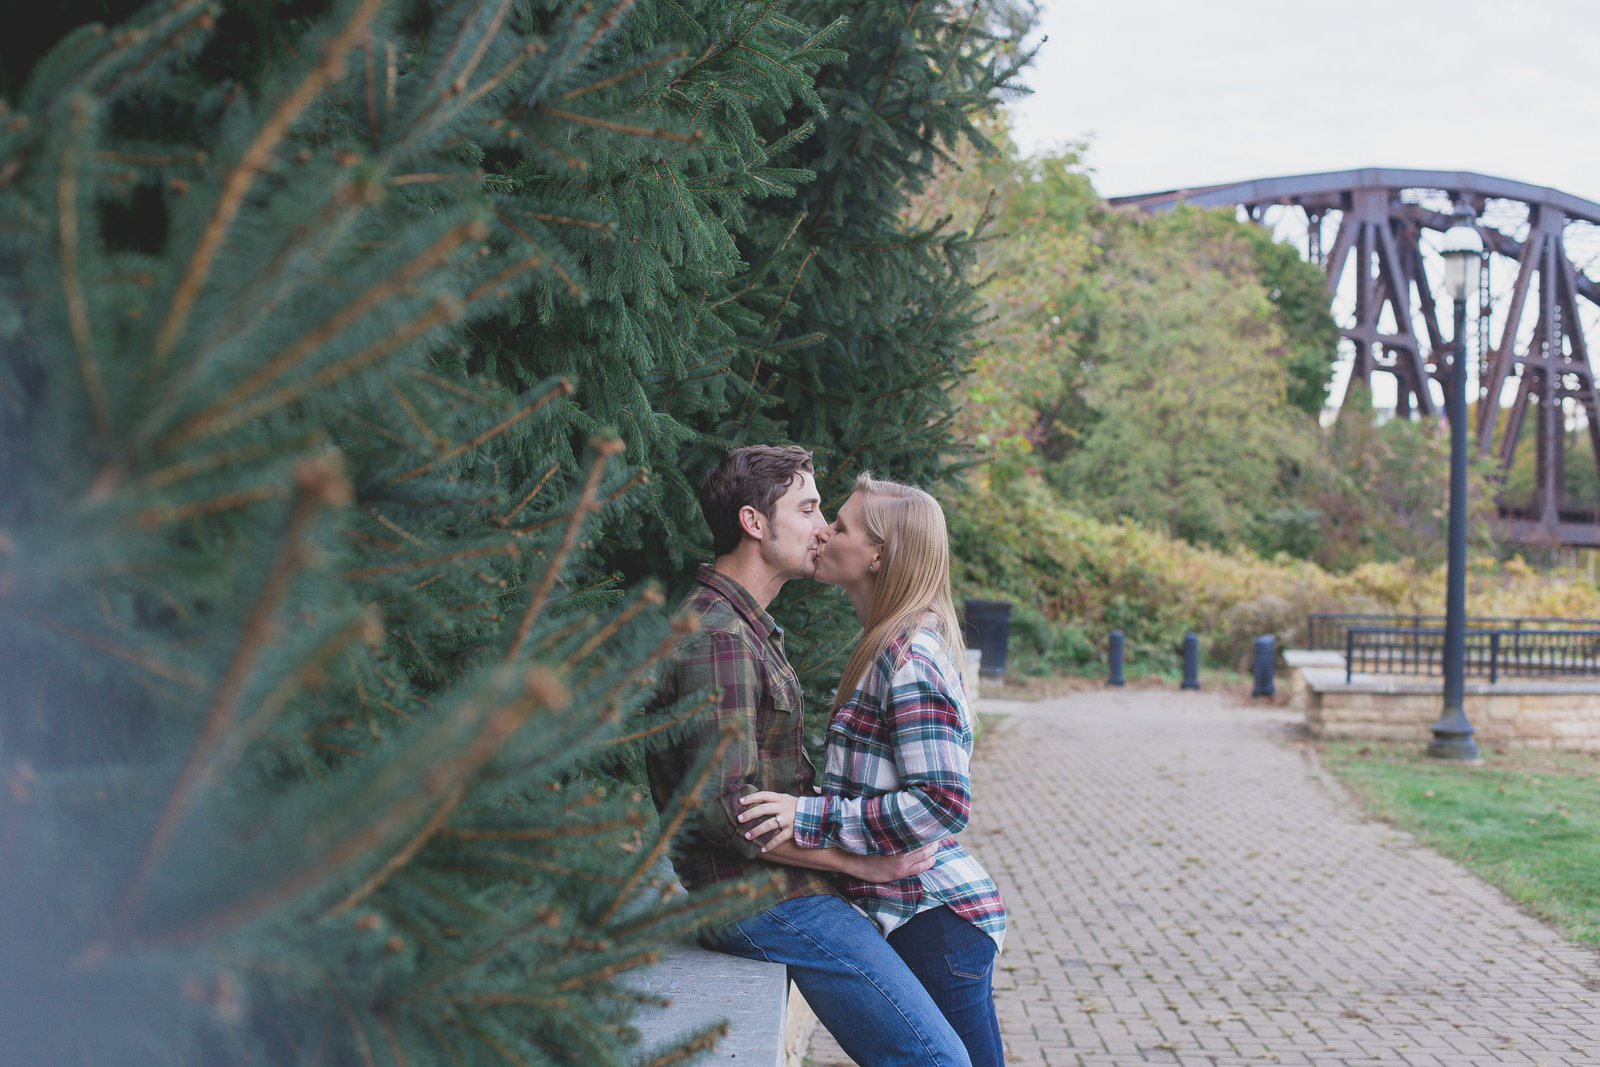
(1518, 712)
(706, 987)
(1303, 657)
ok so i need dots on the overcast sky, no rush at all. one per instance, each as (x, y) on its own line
(1174, 93)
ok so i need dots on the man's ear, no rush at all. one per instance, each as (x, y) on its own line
(752, 522)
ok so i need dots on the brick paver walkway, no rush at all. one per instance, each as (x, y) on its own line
(1187, 886)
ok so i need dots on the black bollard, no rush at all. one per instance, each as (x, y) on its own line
(1114, 655)
(1191, 661)
(1266, 657)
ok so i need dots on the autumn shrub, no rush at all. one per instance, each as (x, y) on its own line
(1073, 579)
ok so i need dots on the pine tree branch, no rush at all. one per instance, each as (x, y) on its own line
(434, 256)
(603, 83)
(641, 669)
(547, 866)
(228, 457)
(505, 520)
(611, 970)
(506, 548)
(260, 298)
(789, 293)
(895, 57)
(632, 820)
(219, 421)
(541, 258)
(142, 660)
(454, 388)
(362, 1045)
(395, 1048)
(433, 177)
(493, 82)
(320, 483)
(371, 82)
(604, 450)
(189, 15)
(966, 28)
(540, 689)
(696, 906)
(545, 917)
(447, 807)
(436, 89)
(494, 1046)
(619, 127)
(150, 518)
(382, 432)
(485, 38)
(71, 276)
(255, 159)
(570, 160)
(437, 442)
(561, 388)
(652, 597)
(366, 628)
(729, 733)
(568, 220)
(444, 1042)
(530, 1000)
(685, 1053)
(772, 258)
(663, 726)
(398, 530)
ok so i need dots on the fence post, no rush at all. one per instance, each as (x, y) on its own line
(1266, 657)
(1114, 657)
(1349, 654)
(1494, 656)
(1191, 661)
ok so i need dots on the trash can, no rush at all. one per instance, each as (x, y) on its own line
(988, 628)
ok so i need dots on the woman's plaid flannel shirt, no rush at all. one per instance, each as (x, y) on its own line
(895, 778)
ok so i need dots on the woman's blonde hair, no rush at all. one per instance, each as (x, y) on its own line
(913, 585)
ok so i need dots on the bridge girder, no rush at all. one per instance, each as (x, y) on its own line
(1380, 230)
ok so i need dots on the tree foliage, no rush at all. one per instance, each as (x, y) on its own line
(1185, 381)
(1171, 370)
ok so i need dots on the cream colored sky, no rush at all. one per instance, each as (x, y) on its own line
(1177, 93)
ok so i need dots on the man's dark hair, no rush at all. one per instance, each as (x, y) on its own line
(756, 475)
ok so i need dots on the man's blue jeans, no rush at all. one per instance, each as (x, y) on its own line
(860, 989)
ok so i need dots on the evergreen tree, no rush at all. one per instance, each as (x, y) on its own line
(303, 678)
(869, 318)
(315, 542)
(747, 276)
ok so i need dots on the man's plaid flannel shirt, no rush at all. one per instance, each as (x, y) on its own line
(736, 650)
(895, 778)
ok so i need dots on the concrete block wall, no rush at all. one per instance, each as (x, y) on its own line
(704, 988)
(1517, 713)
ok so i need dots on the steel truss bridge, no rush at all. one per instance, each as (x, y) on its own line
(1381, 222)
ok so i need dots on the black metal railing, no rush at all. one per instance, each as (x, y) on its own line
(1492, 653)
(1326, 629)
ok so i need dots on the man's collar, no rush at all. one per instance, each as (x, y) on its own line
(740, 598)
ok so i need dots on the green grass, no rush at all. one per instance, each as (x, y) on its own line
(1527, 822)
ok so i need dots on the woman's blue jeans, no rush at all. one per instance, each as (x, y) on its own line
(860, 989)
(954, 960)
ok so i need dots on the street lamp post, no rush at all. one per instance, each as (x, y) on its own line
(1452, 734)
